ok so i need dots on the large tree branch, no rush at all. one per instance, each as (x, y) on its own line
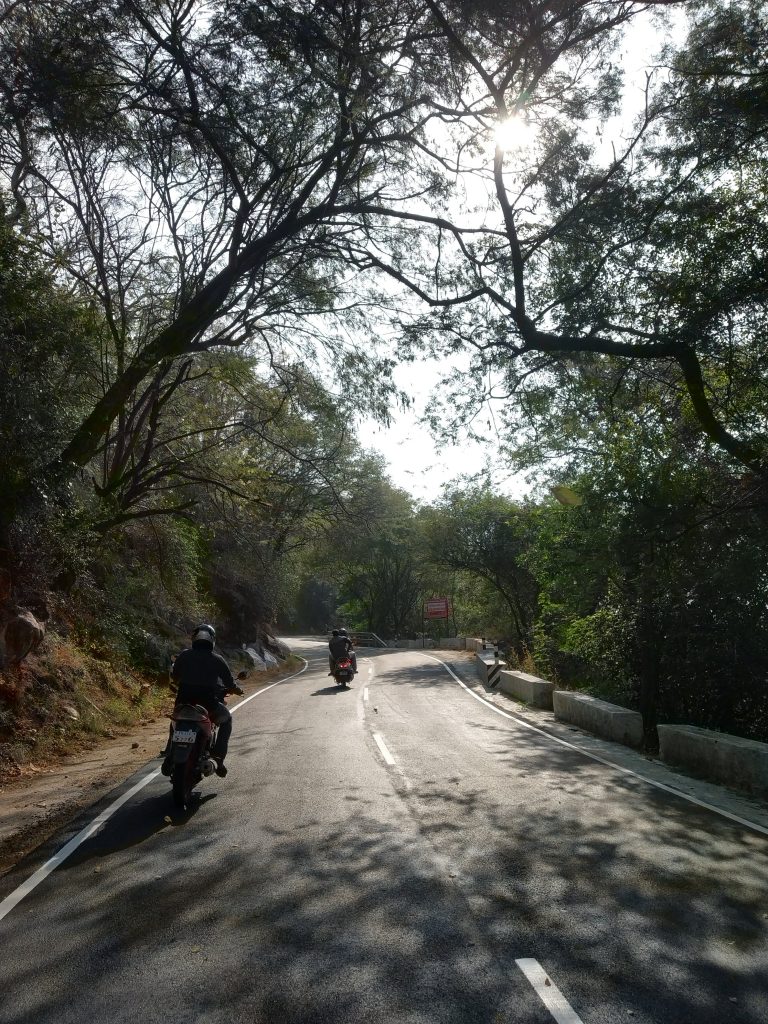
(688, 361)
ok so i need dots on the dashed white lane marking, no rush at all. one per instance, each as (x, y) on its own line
(548, 992)
(365, 693)
(602, 760)
(383, 748)
(14, 898)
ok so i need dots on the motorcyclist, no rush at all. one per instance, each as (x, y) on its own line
(340, 646)
(203, 677)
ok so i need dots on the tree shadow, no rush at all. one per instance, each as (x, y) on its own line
(413, 908)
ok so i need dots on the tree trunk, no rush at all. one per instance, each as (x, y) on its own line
(649, 670)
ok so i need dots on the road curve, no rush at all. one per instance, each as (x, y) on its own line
(395, 852)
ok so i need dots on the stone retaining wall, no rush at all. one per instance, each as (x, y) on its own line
(452, 643)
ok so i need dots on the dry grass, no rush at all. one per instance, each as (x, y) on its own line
(64, 700)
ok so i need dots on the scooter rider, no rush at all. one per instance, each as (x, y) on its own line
(340, 646)
(203, 677)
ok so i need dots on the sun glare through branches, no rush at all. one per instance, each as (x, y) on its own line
(514, 133)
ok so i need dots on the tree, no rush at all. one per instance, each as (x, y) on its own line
(196, 172)
(386, 589)
(47, 341)
(370, 557)
(589, 263)
(652, 591)
(488, 536)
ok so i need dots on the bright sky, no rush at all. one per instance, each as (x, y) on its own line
(415, 463)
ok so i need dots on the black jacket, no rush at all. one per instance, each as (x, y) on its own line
(339, 646)
(202, 677)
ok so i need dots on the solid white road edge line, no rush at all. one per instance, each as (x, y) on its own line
(548, 992)
(42, 873)
(602, 760)
(365, 693)
(18, 894)
(277, 683)
(383, 748)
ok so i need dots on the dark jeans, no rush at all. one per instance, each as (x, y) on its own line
(223, 719)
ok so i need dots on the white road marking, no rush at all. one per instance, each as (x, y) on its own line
(365, 693)
(548, 992)
(383, 748)
(18, 894)
(42, 873)
(259, 692)
(602, 760)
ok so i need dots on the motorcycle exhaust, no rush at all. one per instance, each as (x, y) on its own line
(209, 767)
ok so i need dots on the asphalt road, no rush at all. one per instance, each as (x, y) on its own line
(396, 852)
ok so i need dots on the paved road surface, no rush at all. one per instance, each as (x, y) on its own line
(395, 853)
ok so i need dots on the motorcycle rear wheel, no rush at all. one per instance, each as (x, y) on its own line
(181, 781)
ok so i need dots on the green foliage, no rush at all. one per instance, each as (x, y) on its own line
(369, 559)
(188, 248)
(487, 535)
(47, 343)
(652, 591)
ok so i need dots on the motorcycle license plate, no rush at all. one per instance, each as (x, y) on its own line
(184, 736)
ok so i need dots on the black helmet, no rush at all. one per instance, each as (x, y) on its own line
(204, 634)
(342, 632)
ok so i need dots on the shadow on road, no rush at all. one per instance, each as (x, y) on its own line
(137, 823)
(414, 909)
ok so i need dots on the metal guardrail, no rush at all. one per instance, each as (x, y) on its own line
(361, 640)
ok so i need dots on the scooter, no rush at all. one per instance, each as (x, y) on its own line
(192, 740)
(343, 672)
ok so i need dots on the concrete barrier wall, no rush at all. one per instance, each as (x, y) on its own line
(452, 643)
(534, 691)
(599, 717)
(718, 756)
(410, 645)
(485, 663)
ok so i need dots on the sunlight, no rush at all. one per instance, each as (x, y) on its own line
(514, 133)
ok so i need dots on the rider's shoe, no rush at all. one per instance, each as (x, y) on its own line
(221, 769)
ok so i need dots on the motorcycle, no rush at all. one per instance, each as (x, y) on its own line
(343, 672)
(192, 740)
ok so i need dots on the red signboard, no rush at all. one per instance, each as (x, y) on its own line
(437, 608)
